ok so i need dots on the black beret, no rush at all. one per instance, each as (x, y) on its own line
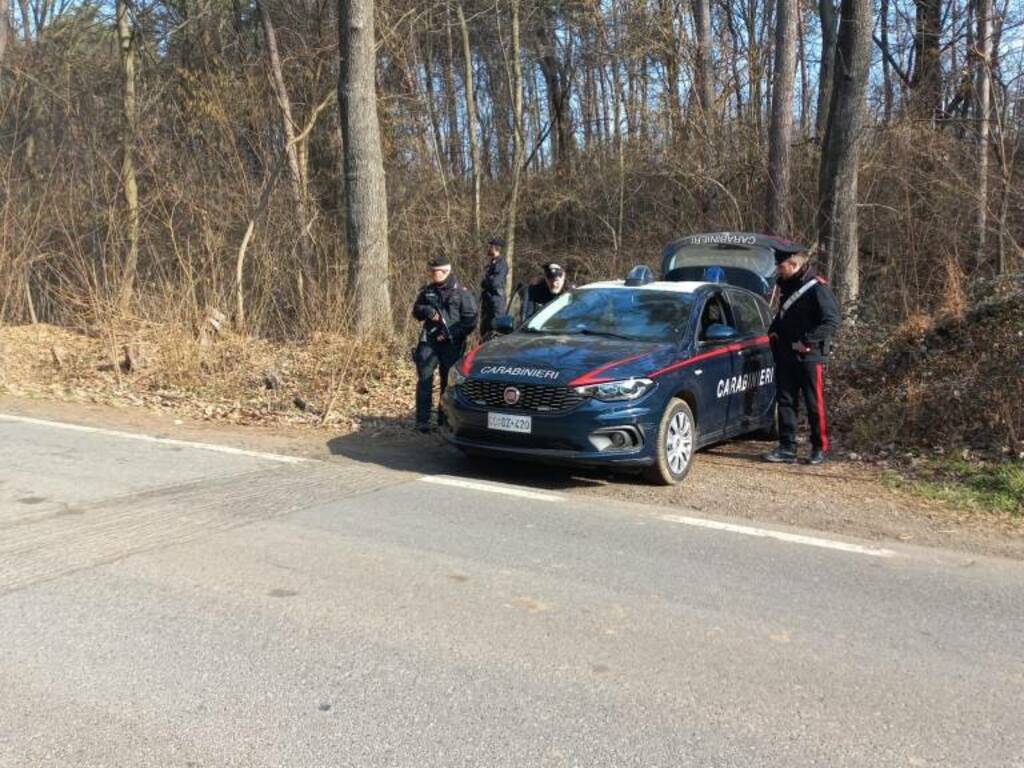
(497, 242)
(439, 261)
(786, 248)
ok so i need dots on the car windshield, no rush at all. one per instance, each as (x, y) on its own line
(637, 315)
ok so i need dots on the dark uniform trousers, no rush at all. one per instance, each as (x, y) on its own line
(794, 378)
(488, 311)
(429, 356)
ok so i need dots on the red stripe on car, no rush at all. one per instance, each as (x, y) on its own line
(593, 377)
(467, 361)
(759, 341)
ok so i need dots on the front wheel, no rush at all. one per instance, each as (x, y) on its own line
(674, 447)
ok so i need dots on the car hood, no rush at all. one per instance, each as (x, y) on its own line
(564, 359)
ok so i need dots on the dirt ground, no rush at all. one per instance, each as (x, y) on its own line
(729, 480)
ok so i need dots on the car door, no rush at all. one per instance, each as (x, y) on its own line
(713, 370)
(753, 364)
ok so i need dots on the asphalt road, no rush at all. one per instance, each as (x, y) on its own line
(163, 604)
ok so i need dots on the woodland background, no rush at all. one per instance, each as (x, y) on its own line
(145, 144)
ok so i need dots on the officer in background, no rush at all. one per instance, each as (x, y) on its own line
(492, 287)
(801, 335)
(448, 313)
(545, 291)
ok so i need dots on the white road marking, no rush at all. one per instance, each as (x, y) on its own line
(793, 538)
(502, 488)
(280, 458)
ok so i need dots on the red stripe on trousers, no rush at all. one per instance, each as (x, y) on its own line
(819, 386)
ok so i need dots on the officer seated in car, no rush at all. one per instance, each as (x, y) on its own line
(545, 291)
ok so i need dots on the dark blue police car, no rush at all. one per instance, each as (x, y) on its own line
(632, 373)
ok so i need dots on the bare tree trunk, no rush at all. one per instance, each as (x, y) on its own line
(557, 80)
(295, 166)
(837, 181)
(886, 65)
(129, 185)
(984, 103)
(826, 74)
(780, 134)
(366, 194)
(704, 82)
(471, 120)
(5, 27)
(517, 143)
(805, 85)
(454, 135)
(926, 83)
(706, 100)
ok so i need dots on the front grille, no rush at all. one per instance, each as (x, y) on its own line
(532, 397)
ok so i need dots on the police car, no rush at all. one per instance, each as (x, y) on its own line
(632, 374)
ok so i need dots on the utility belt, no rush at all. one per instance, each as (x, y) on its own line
(429, 336)
(817, 348)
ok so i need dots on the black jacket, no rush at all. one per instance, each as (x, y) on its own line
(456, 306)
(492, 287)
(813, 318)
(538, 295)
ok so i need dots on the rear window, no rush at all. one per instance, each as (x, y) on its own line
(641, 315)
(758, 260)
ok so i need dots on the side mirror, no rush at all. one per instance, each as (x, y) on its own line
(504, 324)
(719, 332)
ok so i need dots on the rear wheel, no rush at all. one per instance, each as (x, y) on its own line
(674, 446)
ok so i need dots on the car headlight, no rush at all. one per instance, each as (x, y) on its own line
(626, 389)
(455, 376)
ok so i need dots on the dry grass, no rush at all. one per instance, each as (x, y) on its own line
(326, 381)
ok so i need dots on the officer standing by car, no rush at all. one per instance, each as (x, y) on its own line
(448, 313)
(492, 286)
(547, 290)
(801, 334)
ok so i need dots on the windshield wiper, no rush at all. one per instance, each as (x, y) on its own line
(609, 334)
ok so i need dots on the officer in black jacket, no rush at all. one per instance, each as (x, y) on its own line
(801, 334)
(492, 286)
(448, 313)
(547, 290)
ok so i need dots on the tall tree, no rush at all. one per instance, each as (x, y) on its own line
(780, 134)
(5, 26)
(837, 179)
(705, 86)
(557, 79)
(129, 184)
(471, 118)
(366, 201)
(926, 82)
(983, 80)
(296, 171)
(518, 151)
(827, 15)
(887, 89)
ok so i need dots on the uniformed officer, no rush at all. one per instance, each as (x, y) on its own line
(492, 286)
(801, 334)
(448, 313)
(545, 291)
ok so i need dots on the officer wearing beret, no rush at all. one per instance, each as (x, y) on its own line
(801, 334)
(448, 313)
(544, 292)
(492, 286)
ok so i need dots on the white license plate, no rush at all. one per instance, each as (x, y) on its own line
(506, 422)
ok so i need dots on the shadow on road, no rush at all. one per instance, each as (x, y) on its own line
(392, 443)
